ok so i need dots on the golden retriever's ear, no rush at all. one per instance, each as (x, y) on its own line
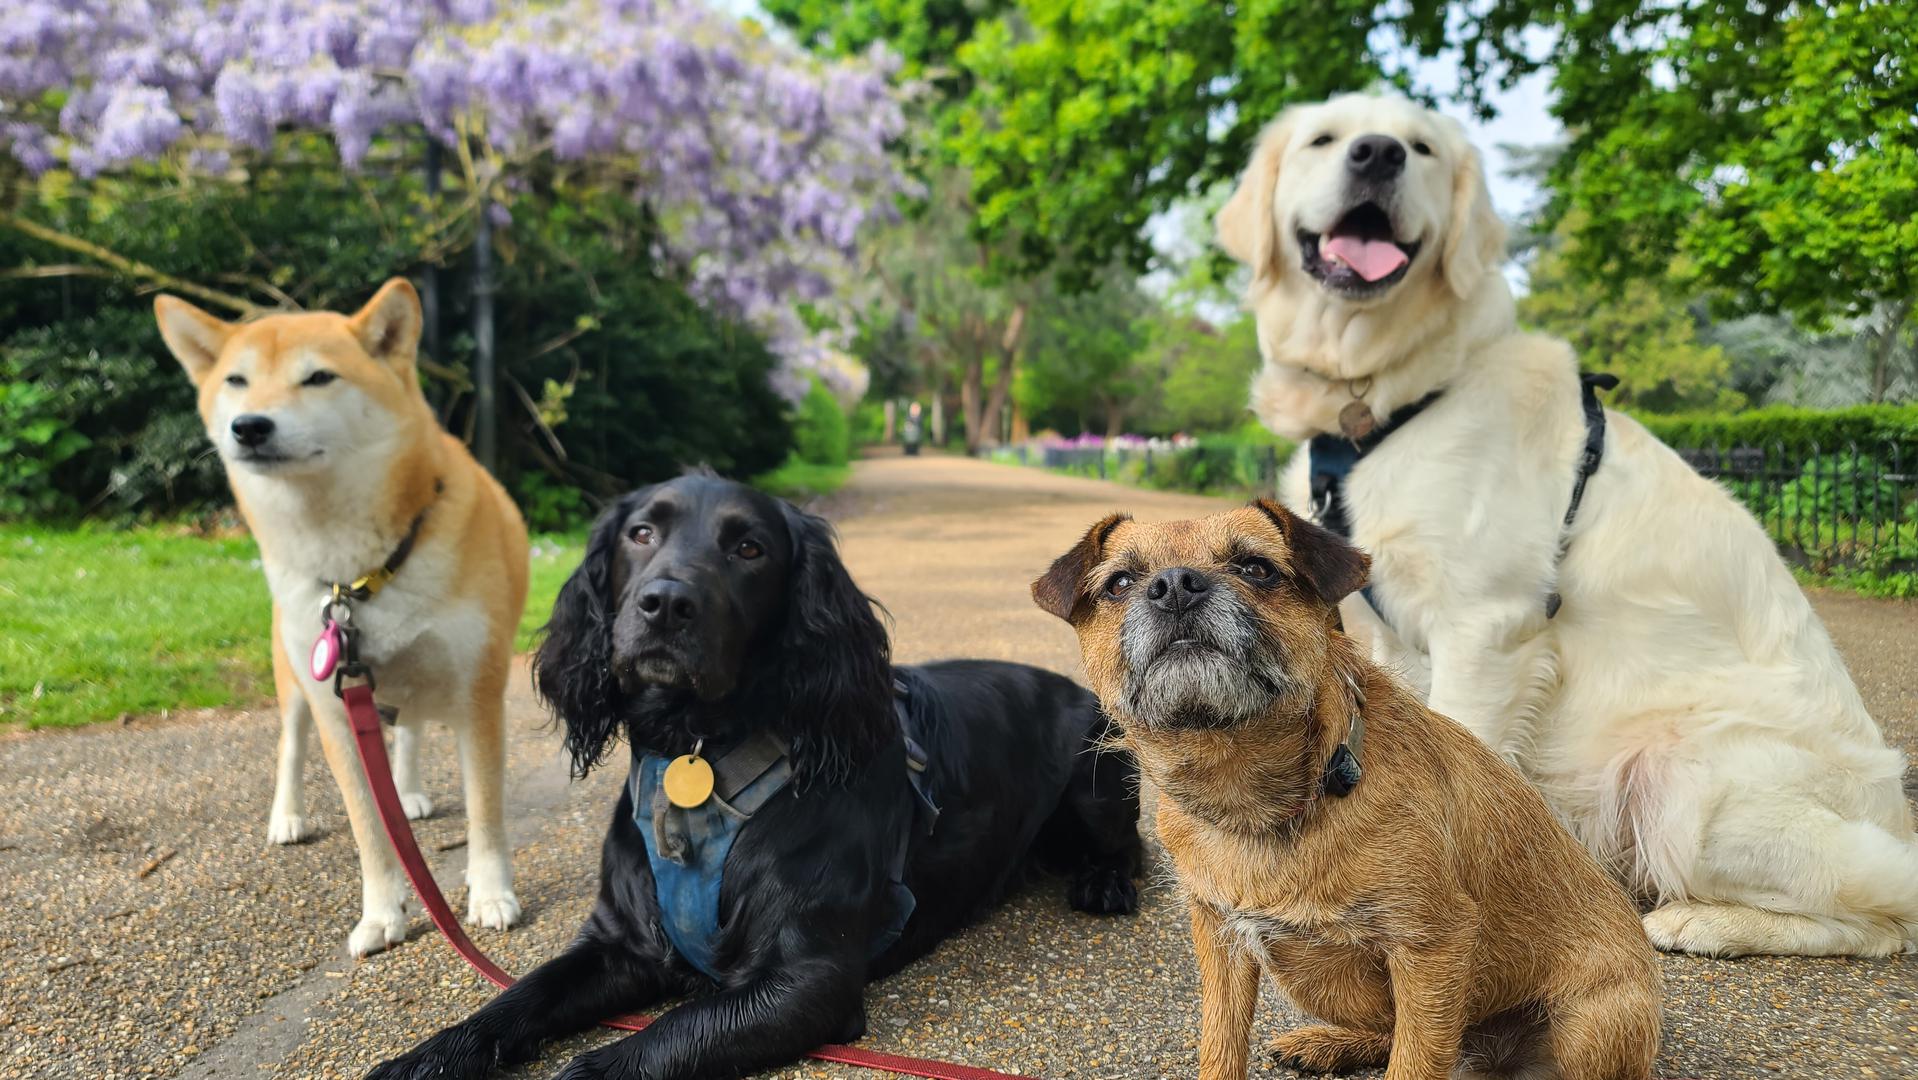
(191, 335)
(1474, 235)
(389, 325)
(1245, 225)
(1062, 589)
(1321, 559)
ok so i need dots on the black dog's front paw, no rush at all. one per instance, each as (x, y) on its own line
(598, 1065)
(1104, 890)
(458, 1053)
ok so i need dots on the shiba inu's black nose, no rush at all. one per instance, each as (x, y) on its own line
(1375, 157)
(252, 429)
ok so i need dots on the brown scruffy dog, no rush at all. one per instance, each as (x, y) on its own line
(1399, 881)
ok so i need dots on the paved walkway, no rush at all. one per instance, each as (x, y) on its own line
(226, 958)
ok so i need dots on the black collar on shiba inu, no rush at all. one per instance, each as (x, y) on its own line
(368, 585)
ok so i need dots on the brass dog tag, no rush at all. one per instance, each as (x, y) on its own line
(1356, 420)
(688, 781)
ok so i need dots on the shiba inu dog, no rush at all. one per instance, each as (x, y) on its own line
(346, 479)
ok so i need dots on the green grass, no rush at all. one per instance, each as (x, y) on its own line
(798, 479)
(96, 622)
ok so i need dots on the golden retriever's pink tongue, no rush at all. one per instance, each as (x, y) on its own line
(1372, 259)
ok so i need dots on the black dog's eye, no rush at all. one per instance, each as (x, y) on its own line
(748, 550)
(1257, 569)
(640, 534)
(320, 378)
(236, 381)
(1422, 148)
(1117, 584)
(1323, 140)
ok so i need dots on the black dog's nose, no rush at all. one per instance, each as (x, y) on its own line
(668, 604)
(252, 429)
(1176, 589)
(1375, 157)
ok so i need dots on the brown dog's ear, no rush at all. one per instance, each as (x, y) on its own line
(1330, 567)
(389, 325)
(1245, 225)
(1061, 589)
(191, 335)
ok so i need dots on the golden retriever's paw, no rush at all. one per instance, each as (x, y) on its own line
(418, 805)
(1323, 1048)
(377, 932)
(495, 911)
(287, 829)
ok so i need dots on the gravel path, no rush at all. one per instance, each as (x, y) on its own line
(150, 931)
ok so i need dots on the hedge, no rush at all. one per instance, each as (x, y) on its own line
(1797, 430)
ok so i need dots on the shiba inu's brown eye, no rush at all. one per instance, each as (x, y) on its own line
(1323, 140)
(1117, 584)
(1256, 569)
(748, 550)
(1422, 149)
(640, 534)
(236, 381)
(320, 378)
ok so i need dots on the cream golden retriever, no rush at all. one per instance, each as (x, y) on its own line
(1651, 665)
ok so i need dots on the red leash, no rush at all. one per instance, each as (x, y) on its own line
(365, 719)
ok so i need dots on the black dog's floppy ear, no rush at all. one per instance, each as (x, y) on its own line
(835, 678)
(1061, 589)
(573, 669)
(1330, 567)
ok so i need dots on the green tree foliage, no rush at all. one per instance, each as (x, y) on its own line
(1765, 150)
(611, 374)
(1638, 331)
(1088, 366)
(1208, 372)
(821, 433)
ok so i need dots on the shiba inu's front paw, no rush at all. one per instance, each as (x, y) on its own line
(287, 829)
(493, 910)
(417, 804)
(377, 931)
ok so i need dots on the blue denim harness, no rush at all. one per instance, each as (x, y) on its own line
(688, 848)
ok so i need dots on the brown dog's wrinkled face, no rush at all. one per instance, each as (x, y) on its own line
(1201, 624)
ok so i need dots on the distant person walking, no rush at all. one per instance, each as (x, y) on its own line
(915, 427)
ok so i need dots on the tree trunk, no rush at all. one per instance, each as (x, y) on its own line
(971, 392)
(1009, 345)
(1115, 420)
(939, 418)
(892, 421)
(1886, 348)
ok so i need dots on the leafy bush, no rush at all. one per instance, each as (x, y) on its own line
(625, 372)
(821, 435)
(1840, 488)
(1797, 430)
(869, 423)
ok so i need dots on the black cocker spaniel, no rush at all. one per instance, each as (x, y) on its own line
(800, 817)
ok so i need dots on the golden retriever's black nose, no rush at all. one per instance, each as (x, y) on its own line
(1176, 589)
(252, 429)
(668, 604)
(1375, 157)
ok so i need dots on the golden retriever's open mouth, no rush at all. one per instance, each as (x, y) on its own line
(1358, 255)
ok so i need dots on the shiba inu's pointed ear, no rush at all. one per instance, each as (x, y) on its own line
(389, 325)
(1246, 226)
(1062, 588)
(1321, 559)
(191, 335)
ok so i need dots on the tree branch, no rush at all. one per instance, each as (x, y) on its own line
(130, 267)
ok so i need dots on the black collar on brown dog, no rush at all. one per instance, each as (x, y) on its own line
(1342, 770)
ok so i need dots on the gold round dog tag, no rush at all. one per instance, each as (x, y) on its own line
(1356, 420)
(688, 781)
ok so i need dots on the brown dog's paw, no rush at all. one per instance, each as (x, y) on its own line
(1323, 1048)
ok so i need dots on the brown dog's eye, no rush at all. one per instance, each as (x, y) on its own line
(1422, 149)
(1257, 569)
(1323, 140)
(1117, 584)
(238, 382)
(748, 550)
(640, 534)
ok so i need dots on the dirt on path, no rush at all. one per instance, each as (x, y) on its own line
(150, 930)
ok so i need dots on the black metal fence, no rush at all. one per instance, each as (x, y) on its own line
(1212, 470)
(1847, 506)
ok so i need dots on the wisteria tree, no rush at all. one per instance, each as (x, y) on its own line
(760, 163)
